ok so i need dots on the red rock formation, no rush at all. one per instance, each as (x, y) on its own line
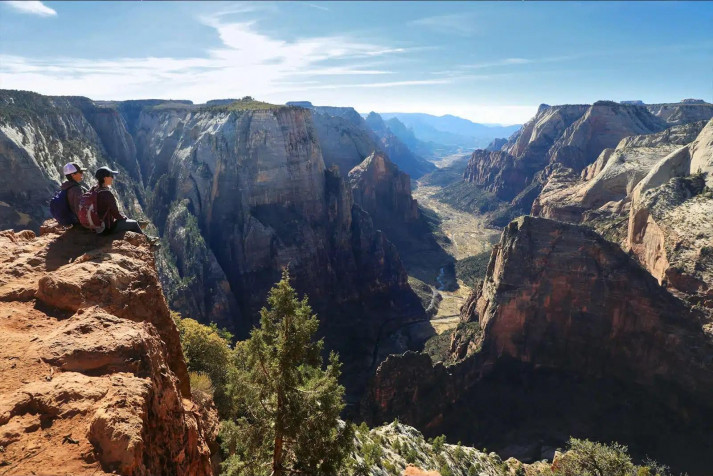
(575, 301)
(574, 331)
(93, 376)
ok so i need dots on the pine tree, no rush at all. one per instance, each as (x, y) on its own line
(286, 407)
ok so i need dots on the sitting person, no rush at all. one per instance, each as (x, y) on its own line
(107, 208)
(73, 172)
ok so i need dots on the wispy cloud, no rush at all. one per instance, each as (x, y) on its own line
(521, 61)
(32, 8)
(247, 62)
(314, 5)
(458, 24)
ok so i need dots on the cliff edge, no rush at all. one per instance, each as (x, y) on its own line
(94, 381)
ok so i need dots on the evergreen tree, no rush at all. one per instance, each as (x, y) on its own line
(286, 407)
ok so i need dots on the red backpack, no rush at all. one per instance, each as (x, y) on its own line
(88, 214)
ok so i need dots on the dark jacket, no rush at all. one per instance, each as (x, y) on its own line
(73, 195)
(108, 208)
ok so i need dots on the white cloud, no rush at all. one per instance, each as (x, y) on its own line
(248, 63)
(32, 7)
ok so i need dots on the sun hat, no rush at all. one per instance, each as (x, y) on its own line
(71, 168)
(105, 172)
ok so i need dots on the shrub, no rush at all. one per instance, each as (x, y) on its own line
(588, 458)
(207, 351)
(438, 443)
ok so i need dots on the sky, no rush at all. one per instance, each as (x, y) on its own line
(490, 62)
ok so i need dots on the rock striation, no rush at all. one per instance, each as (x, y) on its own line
(648, 195)
(562, 141)
(577, 324)
(94, 381)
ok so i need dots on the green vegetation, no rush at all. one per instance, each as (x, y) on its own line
(468, 197)
(422, 290)
(437, 347)
(472, 268)
(588, 458)
(285, 407)
(245, 104)
(208, 355)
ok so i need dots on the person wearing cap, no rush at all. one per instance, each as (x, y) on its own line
(114, 220)
(73, 173)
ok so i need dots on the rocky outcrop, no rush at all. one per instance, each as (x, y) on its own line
(575, 298)
(669, 227)
(94, 381)
(398, 152)
(601, 194)
(649, 195)
(344, 138)
(572, 321)
(688, 110)
(383, 191)
(559, 140)
(257, 185)
(508, 171)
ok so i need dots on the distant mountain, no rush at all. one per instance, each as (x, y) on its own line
(450, 130)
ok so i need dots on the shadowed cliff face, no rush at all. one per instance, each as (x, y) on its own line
(577, 325)
(256, 183)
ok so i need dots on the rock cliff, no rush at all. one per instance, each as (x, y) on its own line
(237, 190)
(559, 140)
(398, 152)
(94, 381)
(648, 195)
(600, 195)
(574, 322)
(383, 191)
(688, 110)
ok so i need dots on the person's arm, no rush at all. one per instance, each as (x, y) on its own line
(74, 194)
(112, 207)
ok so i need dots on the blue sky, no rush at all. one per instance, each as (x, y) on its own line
(488, 62)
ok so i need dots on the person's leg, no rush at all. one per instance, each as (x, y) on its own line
(126, 225)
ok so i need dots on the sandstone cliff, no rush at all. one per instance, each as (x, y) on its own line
(94, 381)
(571, 320)
(600, 195)
(383, 191)
(558, 140)
(255, 181)
(649, 195)
(237, 190)
(688, 110)
(670, 230)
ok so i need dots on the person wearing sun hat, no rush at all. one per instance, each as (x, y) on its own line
(73, 173)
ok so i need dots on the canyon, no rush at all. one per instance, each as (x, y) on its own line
(593, 316)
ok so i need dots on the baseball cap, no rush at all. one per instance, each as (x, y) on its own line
(71, 168)
(105, 172)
